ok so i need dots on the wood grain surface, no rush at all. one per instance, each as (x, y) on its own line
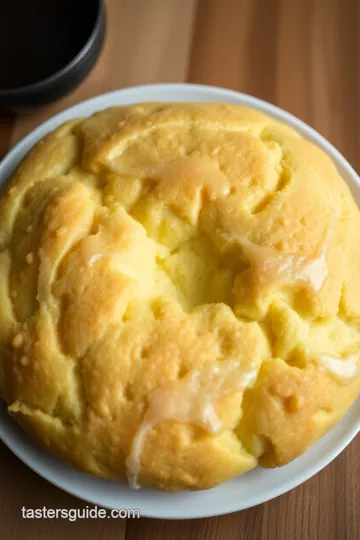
(303, 55)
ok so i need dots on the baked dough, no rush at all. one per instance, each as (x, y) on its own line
(179, 294)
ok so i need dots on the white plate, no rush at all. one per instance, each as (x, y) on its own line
(253, 488)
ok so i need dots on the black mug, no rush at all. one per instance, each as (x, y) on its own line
(47, 47)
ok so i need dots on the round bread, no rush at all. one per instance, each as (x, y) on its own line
(179, 294)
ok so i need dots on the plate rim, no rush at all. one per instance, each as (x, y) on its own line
(12, 158)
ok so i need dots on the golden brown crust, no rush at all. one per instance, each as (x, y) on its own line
(125, 266)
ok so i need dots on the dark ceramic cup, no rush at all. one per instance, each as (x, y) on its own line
(47, 47)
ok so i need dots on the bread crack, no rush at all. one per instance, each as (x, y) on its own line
(284, 180)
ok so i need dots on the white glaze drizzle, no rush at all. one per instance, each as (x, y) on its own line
(272, 265)
(344, 369)
(192, 400)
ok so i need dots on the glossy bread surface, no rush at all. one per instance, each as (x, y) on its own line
(189, 272)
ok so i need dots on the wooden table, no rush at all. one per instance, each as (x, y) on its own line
(303, 55)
